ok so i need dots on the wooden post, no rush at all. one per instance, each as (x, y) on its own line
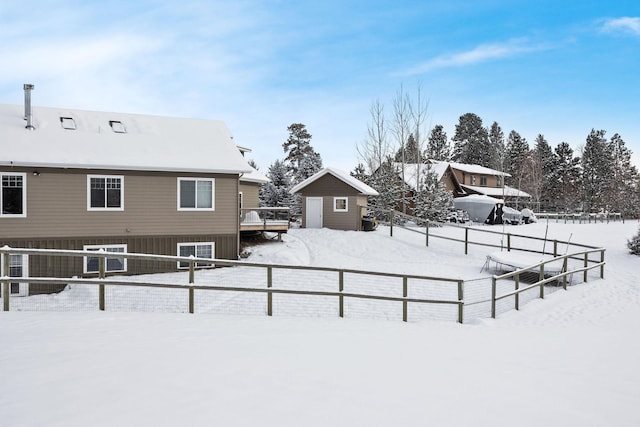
(6, 291)
(427, 232)
(405, 293)
(517, 295)
(586, 264)
(564, 270)
(192, 272)
(191, 299)
(493, 297)
(555, 248)
(602, 265)
(460, 302)
(391, 223)
(269, 294)
(466, 241)
(102, 272)
(541, 279)
(341, 288)
(508, 242)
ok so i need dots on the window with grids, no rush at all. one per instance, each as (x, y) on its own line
(340, 204)
(105, 192)
(196, 193)
(92, 264)
(197, 250)
(18, 267)
(13, 198)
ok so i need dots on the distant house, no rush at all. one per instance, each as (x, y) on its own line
(74, 179)
(462, 179)
(333, 199)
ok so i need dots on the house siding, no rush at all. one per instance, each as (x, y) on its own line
(57, 207)
(57, 218)
(66, 266)
(328, 187)
(250, 194)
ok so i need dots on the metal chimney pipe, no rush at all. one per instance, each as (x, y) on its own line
(28, 115)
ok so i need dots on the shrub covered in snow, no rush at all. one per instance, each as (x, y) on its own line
(634, 244)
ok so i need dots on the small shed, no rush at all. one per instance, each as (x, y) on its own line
(333, 199)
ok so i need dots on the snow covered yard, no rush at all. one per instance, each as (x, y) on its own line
(570, 359)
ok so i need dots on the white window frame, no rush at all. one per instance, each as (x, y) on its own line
(106, 265)
(105, 177)
(184, 265)
(240, 203)
(23, 288)
(213, 194)
(24, 194)
(346, 204)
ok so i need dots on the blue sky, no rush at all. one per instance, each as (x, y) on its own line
(556, 68)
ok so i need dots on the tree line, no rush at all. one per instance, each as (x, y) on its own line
(598, 177)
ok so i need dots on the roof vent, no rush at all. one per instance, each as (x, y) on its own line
(28, 116)
(117, 126)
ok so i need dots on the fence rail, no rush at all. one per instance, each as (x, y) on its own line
(193, 262)
(455, 296)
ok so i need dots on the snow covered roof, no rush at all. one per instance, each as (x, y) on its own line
(254, 176)
(497, 191)
(476, 169)
(101, 140)
(341, 175)
(413, 172)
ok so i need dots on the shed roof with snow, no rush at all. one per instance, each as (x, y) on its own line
(343, 176)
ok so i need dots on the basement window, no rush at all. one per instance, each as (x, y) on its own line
(117, 126)
(68, 123)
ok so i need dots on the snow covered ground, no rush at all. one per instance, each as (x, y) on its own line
(570, 359)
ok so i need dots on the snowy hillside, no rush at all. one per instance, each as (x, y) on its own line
(570, 359)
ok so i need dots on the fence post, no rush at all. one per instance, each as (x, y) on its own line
(6, 293)
(427, 232)
(466, 241)
(564, 270)
(460, 301)
(192, 271)
(391, 223)
(191, 299)
(602, 264)
(341, 288)
(405, 293)
(493, 297)
(541, 279)
(101, 268)
(555, 248)
(517, 299)
(269, 294)
(586, 264)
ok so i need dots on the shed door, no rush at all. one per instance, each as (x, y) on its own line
(313, 215)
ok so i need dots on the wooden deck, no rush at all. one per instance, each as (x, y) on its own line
(265, 219)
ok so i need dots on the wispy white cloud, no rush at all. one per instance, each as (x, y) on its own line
(481, 53)
(625, 25)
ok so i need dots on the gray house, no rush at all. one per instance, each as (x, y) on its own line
(87, 180)
(334, 199)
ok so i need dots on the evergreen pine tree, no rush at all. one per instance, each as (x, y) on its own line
(596, 170)
(276, 191)
(543, 155)
(297, 146)
(385, 180)
(438, 147)
(634, 244)
(496, 147)
(432, 200)
(622, 196)
(564, 180)
(516, 155)
(471, 141)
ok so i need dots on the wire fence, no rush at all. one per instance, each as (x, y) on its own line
(255, 289)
